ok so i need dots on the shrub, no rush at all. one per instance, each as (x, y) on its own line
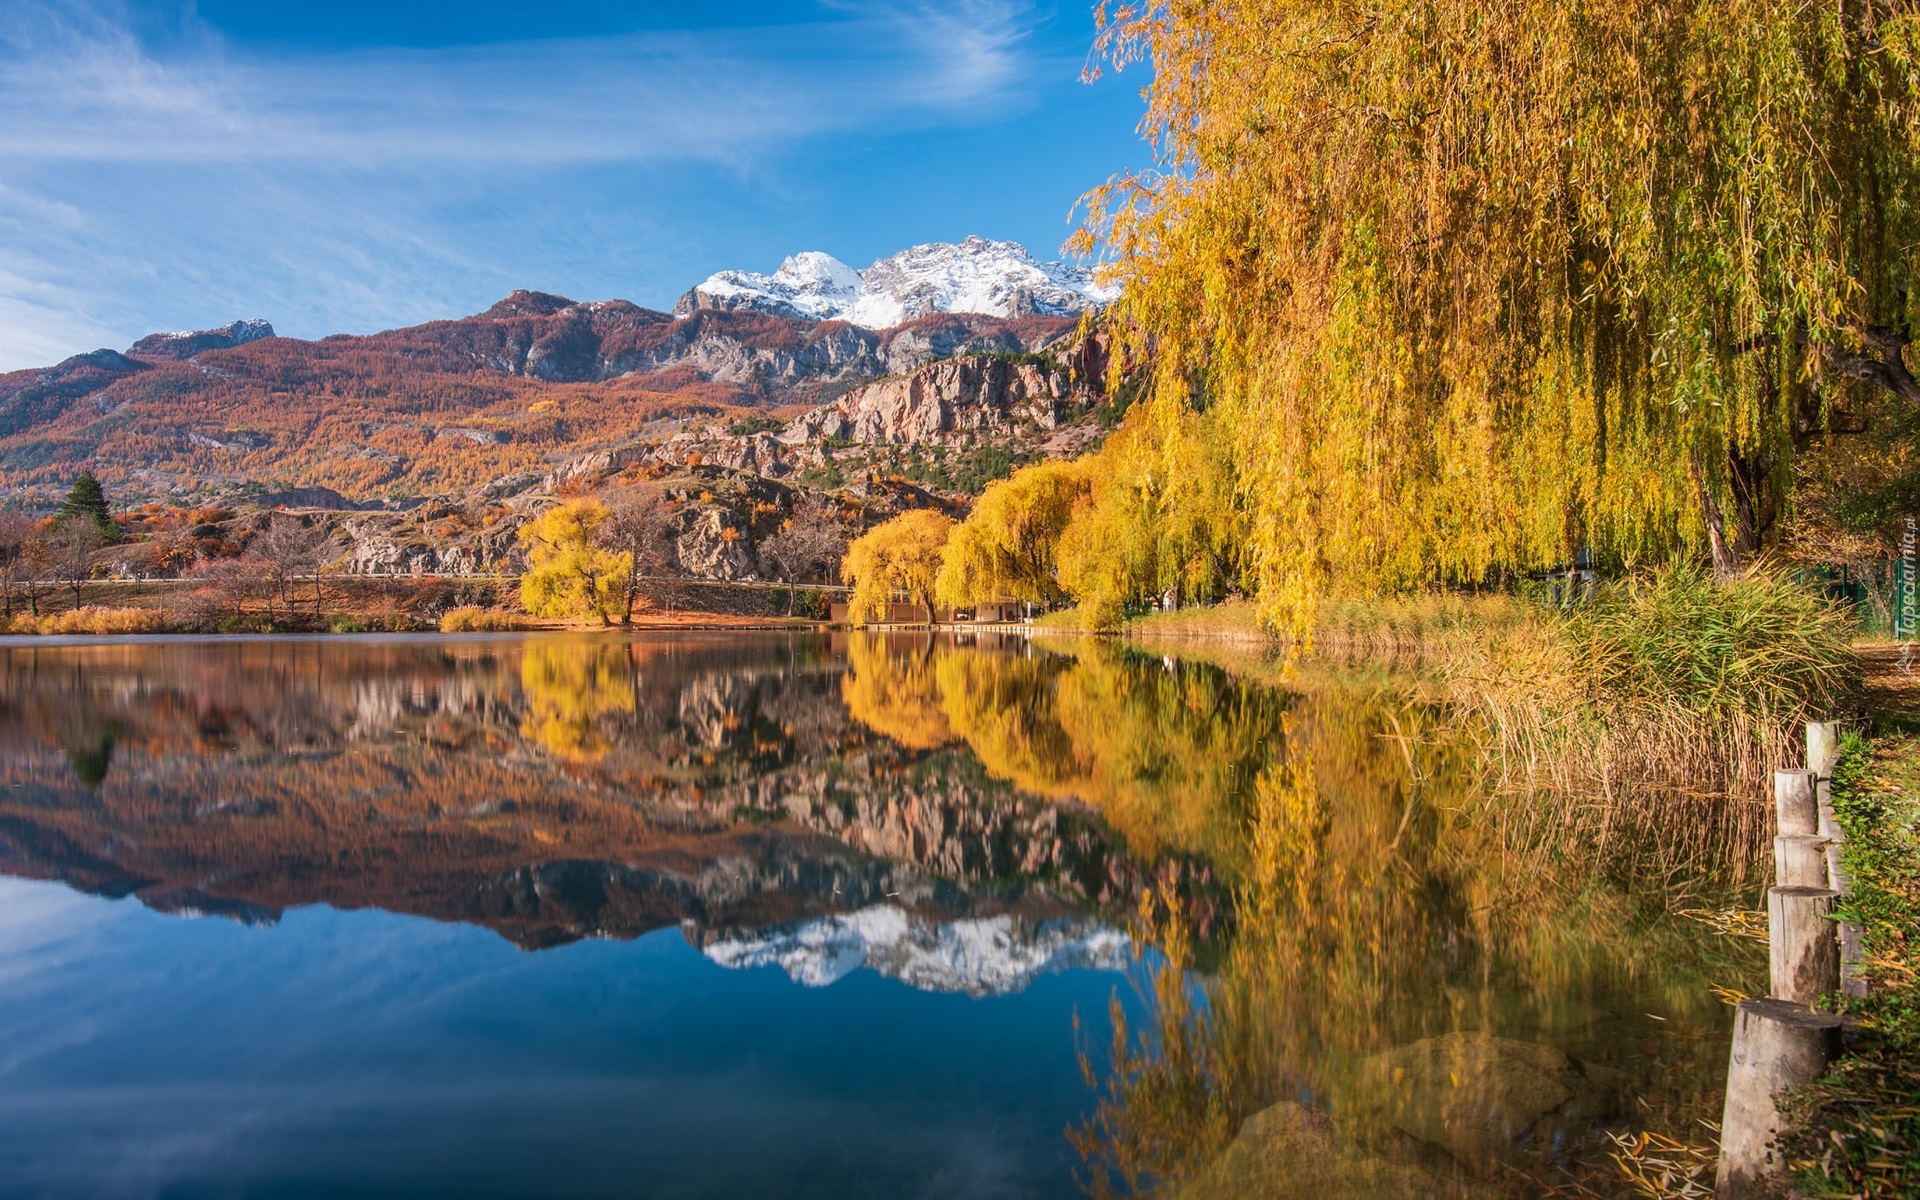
(377, 622)
(1760, 647)
(471, 618)
(95, 619)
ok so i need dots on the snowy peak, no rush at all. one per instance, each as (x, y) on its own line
(175, 347)
(973, 276)
(985, 956)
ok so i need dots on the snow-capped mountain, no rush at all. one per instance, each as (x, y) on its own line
(974, 276)
(981, 956)
(185, 344)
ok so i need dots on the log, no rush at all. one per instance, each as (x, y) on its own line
(1800, 860)
(1803, 946)
(1776, 1046)
(1796, 809)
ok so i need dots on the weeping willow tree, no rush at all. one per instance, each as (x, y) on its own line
(1474, 284)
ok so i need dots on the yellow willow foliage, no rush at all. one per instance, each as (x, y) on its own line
(1382, 900)
(568, 575)
(899, 558)
(1468, 284)
(1007, 547)
(1169, 759)
(889, 688)
(1161, 513)
(568, 689)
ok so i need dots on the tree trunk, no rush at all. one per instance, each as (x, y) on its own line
(1726, 561)
(1751, 519)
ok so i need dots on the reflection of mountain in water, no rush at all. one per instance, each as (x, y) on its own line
(549, 789)
(979, 956)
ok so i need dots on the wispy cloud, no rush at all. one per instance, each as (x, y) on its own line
(75, 84)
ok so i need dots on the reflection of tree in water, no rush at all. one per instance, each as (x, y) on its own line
(91, 758)
(1384, 922)
(570, 688)
(890, 689)
(1167, 756)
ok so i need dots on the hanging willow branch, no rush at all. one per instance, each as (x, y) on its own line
(1474, 283)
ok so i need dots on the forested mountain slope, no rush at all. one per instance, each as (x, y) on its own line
(440, 408)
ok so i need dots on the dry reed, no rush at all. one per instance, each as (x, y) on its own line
(93, 619)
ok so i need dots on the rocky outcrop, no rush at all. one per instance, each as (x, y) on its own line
(964, 395)
(779, 357)
(178, 347)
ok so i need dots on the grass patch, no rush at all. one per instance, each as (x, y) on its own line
(93, 619)
(1236, 620)
(1858, 1130)
(471, 618)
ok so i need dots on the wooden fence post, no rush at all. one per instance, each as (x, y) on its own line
(1780, 1042)
(1803, 953)
(1823, 751)
(1777, 1045)
(1796, 804)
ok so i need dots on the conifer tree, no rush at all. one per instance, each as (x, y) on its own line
(88, 499)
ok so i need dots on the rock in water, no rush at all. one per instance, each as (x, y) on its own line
(1290, 1152)
(1481, 1097)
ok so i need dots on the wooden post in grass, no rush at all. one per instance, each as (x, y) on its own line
(1823, 751)
(1800, 860)
(1803, 953)
(1780, 1042)
(1777, 1045)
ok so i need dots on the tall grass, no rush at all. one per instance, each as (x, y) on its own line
(94, 619)
(471, 618)
(1664, 694)
(1667, 693)
(1759, 648)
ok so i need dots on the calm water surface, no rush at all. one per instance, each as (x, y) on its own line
(758, 915)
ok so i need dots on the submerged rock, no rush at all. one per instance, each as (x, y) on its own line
(1481, 1097)
(1289, 1151)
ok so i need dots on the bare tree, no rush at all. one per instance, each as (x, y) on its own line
(17, 531)
(75, 541)
(641, 524)
(810, 541)
(223, 586)
(285, 552)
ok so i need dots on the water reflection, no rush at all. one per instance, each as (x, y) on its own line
(1369, 972)
(550, 789)
(1378, 975)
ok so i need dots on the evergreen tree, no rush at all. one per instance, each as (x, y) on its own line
(88, 499)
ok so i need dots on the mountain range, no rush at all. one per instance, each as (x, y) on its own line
(521, 389)
(973, 276)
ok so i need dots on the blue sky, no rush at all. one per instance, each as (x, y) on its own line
(354, 165)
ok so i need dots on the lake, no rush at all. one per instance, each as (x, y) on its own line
(748, 914)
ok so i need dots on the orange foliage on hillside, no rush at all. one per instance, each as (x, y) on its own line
(435, 408)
